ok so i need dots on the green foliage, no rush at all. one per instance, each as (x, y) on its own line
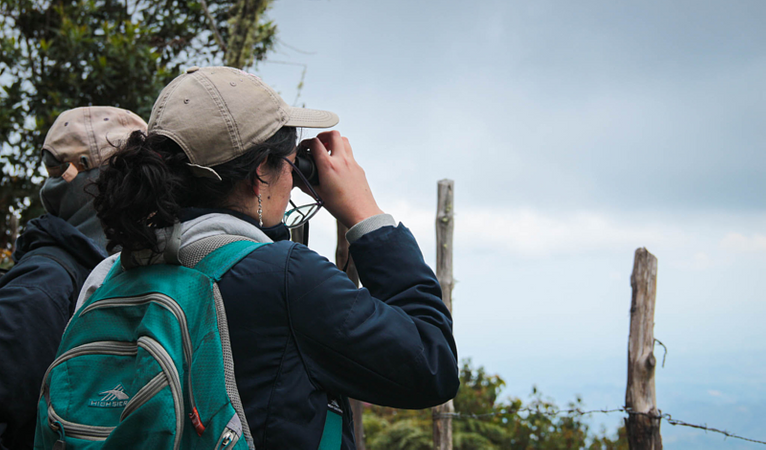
(402, 434)
(388, 428)
(507, 424)
(61, 54)
(478, 391)
(604, 443)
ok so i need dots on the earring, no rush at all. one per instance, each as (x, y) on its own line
(260, 211)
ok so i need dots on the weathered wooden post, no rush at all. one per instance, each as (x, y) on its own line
(643, 422)
(299, 234)
(442, 414)
(341, 256)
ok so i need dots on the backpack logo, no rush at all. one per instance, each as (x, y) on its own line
(112, 398)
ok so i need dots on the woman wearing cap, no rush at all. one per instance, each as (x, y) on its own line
(219, 157)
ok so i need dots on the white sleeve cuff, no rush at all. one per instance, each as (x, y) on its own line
(369, 224)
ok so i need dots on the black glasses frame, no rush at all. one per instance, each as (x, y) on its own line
(304, 212)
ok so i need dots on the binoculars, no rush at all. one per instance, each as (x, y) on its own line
(308, 168)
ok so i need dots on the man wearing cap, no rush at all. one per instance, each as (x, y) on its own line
(53, 258)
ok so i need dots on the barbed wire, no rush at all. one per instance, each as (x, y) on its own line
(666, 351)
(577, 411)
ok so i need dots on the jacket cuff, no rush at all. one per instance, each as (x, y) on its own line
(369, 224)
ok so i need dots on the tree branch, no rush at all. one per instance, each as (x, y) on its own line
(213, 27)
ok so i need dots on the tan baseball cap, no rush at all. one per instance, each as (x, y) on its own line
(217, 113)
(83, 138)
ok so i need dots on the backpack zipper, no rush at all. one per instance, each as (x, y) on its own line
(168, 376)
(228, 437)
(145, 394)
(107, 347)
(76, 430)
(169, 368)
(231, 433)
(172, 306)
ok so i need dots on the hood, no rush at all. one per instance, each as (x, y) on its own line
(48, 230)
(216, 223)
(197, 224)
(200, 225)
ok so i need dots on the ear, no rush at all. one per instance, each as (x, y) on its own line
(263, 174)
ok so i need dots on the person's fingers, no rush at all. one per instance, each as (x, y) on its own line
(344, 187)
(347, 146)
(333, 141)
(316, 148)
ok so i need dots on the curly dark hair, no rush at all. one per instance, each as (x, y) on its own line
(146, 182)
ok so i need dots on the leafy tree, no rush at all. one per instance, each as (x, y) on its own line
(61, 54)
(487, 423)
(604, 443)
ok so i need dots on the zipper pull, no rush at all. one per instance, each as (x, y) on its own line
(227, 437)
(196, 421)
(231, 433)
(60, 444)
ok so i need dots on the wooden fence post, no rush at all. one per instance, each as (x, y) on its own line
(341, 256)
(442, 414)
(643, 422)
(298, 234)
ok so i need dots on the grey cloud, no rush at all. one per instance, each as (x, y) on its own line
(572, 105)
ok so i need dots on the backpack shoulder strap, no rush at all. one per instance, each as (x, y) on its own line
(66, 261)
(221, 260)
(60, 256)
(215, 255)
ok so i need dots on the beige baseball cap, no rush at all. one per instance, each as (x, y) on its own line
(83, 138)
(217, 113)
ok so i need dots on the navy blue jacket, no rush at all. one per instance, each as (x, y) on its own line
(300, 329)
(37, 298)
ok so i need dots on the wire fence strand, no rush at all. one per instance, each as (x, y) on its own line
(579, 412)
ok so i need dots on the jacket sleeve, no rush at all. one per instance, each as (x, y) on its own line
(389, 343)
(35, 301)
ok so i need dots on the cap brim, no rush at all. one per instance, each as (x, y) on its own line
(311, 118)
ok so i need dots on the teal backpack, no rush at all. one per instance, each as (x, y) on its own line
(146, 361)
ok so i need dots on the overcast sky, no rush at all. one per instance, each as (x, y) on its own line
(575, 133)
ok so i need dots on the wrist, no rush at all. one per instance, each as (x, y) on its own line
(361, 216)
(368, 225)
